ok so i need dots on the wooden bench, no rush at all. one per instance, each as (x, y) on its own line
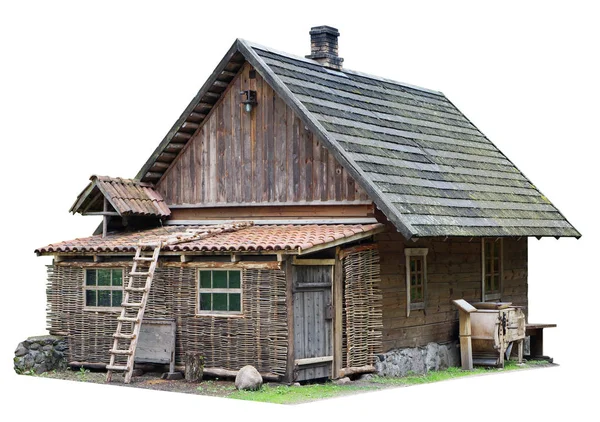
(536, 342)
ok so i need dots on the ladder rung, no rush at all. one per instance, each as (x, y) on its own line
(120, 352)
(136, 289)
(127, 319)
(117, 368)
(131, 305)
(124, 336)
(139, 273)
(143, 258)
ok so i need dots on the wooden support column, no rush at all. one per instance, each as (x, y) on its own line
(105, 218)
(464, 332)
(289, 298)
(338, 304)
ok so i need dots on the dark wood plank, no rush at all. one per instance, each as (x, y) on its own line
(269, 185)
(289, 373)
(280, 134)
(225, 138)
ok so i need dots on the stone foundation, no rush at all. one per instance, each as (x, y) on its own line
(41, 354)
(418, 360)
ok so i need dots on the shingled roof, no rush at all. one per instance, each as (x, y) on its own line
(125, 196)
(423, 163)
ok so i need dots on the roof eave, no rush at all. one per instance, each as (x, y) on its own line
(201, 93)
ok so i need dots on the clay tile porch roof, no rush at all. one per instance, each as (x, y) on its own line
(269, 238)
(126, 196)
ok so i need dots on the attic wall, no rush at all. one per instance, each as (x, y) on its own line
(265, 157)
(453, 272)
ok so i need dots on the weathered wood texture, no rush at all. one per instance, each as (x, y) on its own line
(274, 212)
(312, 325)
(454, 272)
(258, 337)
(194, 366)
(264, 156)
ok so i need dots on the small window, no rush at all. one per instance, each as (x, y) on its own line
(416, 278)
(103, 287)
(220, 291)
(491, 277)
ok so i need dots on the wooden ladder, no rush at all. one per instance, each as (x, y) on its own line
(132, 313)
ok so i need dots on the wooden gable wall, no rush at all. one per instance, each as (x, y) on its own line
(267, 157)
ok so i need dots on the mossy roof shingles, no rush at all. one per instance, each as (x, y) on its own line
(419, 153)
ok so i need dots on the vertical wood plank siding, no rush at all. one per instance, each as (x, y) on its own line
(453, 272)
(258, 338)
(262, 157)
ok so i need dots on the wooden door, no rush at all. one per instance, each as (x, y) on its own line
(313, 315)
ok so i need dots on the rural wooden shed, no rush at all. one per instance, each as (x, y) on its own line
(302, 218)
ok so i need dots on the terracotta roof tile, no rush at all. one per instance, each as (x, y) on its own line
(253, 238)
(127, 196)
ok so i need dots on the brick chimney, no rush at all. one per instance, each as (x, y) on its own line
(324, 46)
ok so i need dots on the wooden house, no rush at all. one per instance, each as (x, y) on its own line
(304, 218)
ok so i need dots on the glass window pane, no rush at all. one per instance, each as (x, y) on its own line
(219, 279)
(205, 277)
(104, 277)
(117, 277)
(418, 265)
(117, 297)
(234, 280)
(90, 277)
(413, 279)
(235, 302)
(90, 298)
(219, 301)
(412, 264)
(205, 302)
(103, 297)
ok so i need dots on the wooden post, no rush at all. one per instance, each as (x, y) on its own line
(194, 367)
(338, 303)
(464, 331)
(105, 218)
(289, 298)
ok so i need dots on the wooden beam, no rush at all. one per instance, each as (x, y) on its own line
(355, 370)
(289, 299)
(313, 361)
(185, 258)
(297, 261)
(271, 210)
(343, 240)
(338, 304)
(104, 213)
(258, 221)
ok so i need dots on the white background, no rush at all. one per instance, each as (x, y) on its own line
(92, 87)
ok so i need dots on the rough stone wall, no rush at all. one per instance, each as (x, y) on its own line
(41, 354)
(418, 360)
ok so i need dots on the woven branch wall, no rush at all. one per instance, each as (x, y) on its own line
(362, 311)
(259, 338)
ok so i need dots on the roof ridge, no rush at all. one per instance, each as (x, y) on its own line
(344, 70)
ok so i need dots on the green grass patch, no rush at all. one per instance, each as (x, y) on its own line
(282, 394)
(452, 373)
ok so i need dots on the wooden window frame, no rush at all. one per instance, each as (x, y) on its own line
(496, 295)
(409, 253)
(97, 288)
(201, 290)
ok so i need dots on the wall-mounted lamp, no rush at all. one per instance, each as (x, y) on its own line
(250, 100)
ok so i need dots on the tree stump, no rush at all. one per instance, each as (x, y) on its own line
(194, 366)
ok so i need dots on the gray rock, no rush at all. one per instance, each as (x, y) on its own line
(248, 378)
(296, 384)
(366, 377)
(342, 381)
(21, 350)
(38, 368)
(48, 347)
(34, 346)
(432, 357)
